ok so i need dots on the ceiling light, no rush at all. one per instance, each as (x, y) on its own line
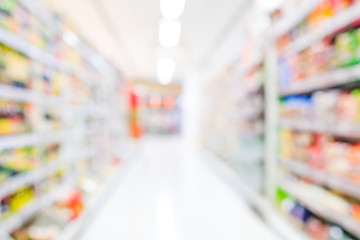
(165, 70)
(172, 9)
(268, 5)
(169, 33)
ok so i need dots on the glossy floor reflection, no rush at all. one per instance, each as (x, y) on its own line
(170, 194)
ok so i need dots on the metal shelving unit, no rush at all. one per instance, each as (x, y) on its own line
(349, 224)
(70, 232)
(258, 201)
(31, 209)
(330, 79)
(30, 96)
(320, 177)
(325, 80)
(339, 21)
(292, 19)
(73, 115)
(31, 139)
(321, 126)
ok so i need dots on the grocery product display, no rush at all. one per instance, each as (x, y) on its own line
(318, 120)
(60, 144)
(135, 127)
(308, 219)
(162, 114)
(283, 116)
(237, 137)
(305, 113)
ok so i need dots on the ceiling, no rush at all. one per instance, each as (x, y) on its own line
(126, 33)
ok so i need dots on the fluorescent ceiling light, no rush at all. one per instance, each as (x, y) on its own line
(165, 70)
(172, 9)
(268, 5)
(169, 33)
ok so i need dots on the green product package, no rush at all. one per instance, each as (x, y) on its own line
(280, 195)
(357, 36)
(356, 94)
(347, 46)
(8, 6)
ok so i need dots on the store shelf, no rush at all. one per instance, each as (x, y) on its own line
(42, 202)
(72, 230)
(26, 95)
(332, 129)
(252, 157)
(85, 155)
(24, 215)
(281, 224)
(252, 196)
(17, 43)
(247, 68)
(44, 16)
(255, 199)
(5, 236)
(38, 11)
(57, 27)
(79, 104)
(293, 18)
(339, 21)
(326, 80)
(33, 52)
(26, 179)
(347, 223)
(320, 177)
(31, 139)
(31, 209)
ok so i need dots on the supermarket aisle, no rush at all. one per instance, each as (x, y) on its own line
(171, 195)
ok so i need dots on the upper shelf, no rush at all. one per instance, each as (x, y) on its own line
(36, 9)
(337, 22)
(292, 19)
(26, 48)
(13, 41)
(328, 79)
(57, 27)
(245, 69)
(34, 138)
(27, 95)
(338, 129)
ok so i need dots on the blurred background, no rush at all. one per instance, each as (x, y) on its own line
(179, 119)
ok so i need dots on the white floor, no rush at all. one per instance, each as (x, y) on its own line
(170, 194)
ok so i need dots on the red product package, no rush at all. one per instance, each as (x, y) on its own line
(75, 204)
(354, 155)
(339, 5)
(315, 152)
(356, 212)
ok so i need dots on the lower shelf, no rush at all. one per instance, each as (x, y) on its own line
(267, 210)
(31, 209)
(323, 178)
(301, 194)
(75, 228)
